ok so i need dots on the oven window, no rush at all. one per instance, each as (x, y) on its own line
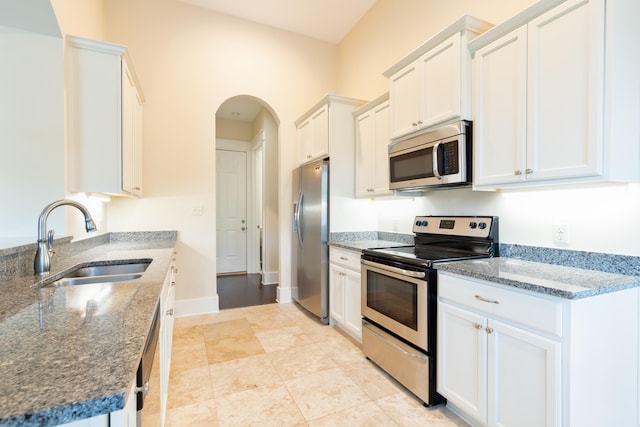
(415, 165)
(393, 298)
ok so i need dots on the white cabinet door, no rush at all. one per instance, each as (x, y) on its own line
(352, 306)
(130, 128)
(364, 156)
(523, 378)
(462, 360)
(313, 136)
(441, 80)
(336, 293)
(380, 170)
(406, 99)
(305, 141)
(372, 155)
(500, 130)
(167, 313)
(320, 147)
(565, 71)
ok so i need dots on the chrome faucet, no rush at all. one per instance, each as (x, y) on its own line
(42, 262)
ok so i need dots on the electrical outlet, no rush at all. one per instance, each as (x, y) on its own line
(561, 233)
(197, 210)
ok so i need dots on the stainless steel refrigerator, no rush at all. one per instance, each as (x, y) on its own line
(310, 275)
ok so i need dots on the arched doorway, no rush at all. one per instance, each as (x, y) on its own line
(247, 202)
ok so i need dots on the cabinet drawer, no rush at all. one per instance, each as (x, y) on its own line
(534, 312)
(346, 258)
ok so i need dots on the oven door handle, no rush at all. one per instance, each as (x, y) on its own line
(409, 273)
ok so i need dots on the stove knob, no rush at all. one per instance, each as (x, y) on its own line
(418, 223)
(482, 225)
(425, 223)
(472, 225)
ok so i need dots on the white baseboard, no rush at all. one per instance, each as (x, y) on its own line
(270, 277)
(192, 307)
(283, 295)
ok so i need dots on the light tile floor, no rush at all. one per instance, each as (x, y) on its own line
(273, 365)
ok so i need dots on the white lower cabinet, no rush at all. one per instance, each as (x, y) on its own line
(508, 357)
(345, 291)
(167, 310)
(496, 373)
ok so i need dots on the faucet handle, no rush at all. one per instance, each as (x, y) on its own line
(50, 234)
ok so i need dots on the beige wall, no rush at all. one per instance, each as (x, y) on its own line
(81, 17)
(189, 61)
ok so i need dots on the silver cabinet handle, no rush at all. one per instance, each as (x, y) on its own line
(489, 330)
(517, 172)
(528, 171)
(144, 389)
(169, 312)
(483, 299)
(344, 258)
(478, 326)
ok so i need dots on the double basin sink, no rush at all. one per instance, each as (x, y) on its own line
(100, 272)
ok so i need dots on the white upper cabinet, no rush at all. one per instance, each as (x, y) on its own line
(372, 153)
(549, 97)
(104, 118)
(432, 84)
(313, 135)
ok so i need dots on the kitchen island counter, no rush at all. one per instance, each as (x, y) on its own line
(70, 353)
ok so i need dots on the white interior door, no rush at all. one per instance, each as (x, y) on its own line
(231, 211)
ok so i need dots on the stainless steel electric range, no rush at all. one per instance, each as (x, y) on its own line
(399, 293)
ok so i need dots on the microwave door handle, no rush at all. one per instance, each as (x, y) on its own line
(436, 149)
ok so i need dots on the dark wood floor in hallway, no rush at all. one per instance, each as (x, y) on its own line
(244, 290)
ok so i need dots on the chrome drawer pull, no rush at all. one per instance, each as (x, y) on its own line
(483, 299)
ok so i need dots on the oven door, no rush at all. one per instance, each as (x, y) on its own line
(396, 299)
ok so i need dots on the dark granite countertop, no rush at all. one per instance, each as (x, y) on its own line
(70, 353)
(360, 240)
(360, 245)
(556, 280)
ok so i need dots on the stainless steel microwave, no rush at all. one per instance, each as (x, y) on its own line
(435, 159)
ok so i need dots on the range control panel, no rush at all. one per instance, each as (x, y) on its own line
(471, 226)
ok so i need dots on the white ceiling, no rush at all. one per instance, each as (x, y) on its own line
(327, 20)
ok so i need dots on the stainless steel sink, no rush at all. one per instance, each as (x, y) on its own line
(101, 274)
(109, 270)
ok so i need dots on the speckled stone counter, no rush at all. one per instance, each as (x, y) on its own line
(557, 280)
(358, 241)
(70, 353)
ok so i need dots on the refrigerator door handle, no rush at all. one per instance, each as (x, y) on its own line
(297, 216)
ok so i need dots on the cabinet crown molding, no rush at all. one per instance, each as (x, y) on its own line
(464, 23)
(108, 48)
(519, 19)
(327, 99)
